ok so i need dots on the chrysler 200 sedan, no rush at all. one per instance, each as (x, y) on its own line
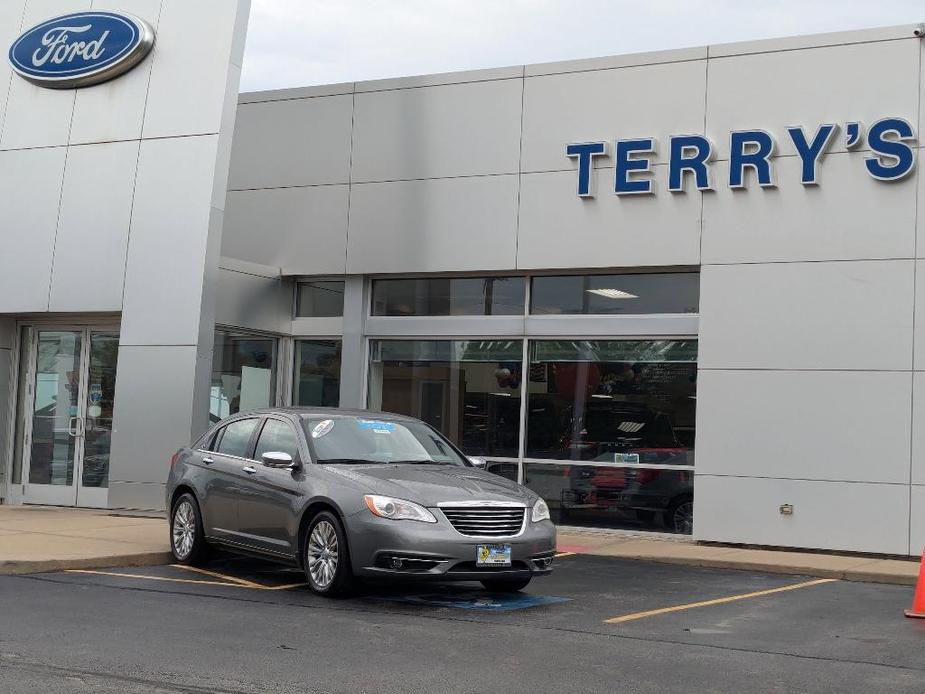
(347, 494)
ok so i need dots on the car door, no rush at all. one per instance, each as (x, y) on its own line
(224, 462)
(269, 503)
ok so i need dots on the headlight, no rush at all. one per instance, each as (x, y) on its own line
(397, 509)
(540, 511)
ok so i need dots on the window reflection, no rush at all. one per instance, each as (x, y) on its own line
(320, 299)
(467, 389)
(661, 292)
(317, 373)
(243, 373)
(450, 296)
(630, 497)
(627, 402)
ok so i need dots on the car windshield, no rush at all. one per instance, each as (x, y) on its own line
(351, 439)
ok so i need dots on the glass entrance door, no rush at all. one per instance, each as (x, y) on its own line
(71, 391)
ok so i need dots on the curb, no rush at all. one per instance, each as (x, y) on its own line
(859, 575)
(15, 568)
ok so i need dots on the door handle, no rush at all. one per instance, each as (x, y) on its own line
(208, 461)
(72, 427)
(249, 470)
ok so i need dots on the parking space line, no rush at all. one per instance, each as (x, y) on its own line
(152, 578)
(718, 601)
(216, 574)
(564, 554)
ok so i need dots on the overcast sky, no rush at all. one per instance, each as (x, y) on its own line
(294, 43)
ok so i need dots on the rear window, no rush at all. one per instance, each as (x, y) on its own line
(235, 437)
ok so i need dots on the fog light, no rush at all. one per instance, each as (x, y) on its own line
(396, 563)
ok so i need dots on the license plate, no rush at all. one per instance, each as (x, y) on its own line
(493, 555)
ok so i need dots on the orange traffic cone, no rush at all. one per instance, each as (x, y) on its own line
(918, 602)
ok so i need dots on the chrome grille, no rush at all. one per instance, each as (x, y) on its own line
(485, 521)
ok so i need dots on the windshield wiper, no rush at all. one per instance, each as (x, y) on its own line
(419, 462)
(350, 461)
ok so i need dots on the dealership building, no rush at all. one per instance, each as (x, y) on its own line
(672, 292)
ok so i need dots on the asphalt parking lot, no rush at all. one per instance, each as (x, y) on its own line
(597, 624)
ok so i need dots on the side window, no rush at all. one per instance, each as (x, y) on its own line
(277, 436)
(235, 437)
(211, 441)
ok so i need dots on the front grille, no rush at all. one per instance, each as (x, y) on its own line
(485, 521)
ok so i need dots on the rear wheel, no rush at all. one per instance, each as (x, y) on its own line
(680, 516)
(505, 585)
(326, 560)
(187, 541)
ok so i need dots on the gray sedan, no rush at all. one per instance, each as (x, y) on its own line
(351, 493)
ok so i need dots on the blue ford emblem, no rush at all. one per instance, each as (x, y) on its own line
(80, 49)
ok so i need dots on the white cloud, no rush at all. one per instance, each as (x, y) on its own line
(294, 43)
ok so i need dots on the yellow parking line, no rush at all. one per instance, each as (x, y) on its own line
(215, 574)
(153, 578)
(563, 554)
(718, 601)
(285, 587)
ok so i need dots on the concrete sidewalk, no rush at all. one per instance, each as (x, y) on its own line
(34, 539)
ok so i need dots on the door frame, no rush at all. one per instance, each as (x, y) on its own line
(18, 493)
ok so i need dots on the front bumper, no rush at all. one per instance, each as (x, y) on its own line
(436, 551)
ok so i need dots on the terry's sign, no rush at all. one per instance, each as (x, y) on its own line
(81, 49)
(891, 142)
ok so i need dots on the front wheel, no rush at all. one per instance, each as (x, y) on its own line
(326, 561)
(505, 585)
(187, 541)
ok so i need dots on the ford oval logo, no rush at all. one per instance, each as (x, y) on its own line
(80, 49)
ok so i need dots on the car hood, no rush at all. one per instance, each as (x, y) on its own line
(430, 485)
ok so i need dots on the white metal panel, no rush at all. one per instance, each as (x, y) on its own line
(431, 132)
(93, 226)
(817, 425)
(811, 86)
(35, 116)
(917, 521)
(605, 105)
(848, 216)
(854, 517)
(558, 229)
(152, 382)
(187, 90)
(302, 230)
(256, 303)
(114, 110)
(918, 428)
(433, 226)
(168, 241)
(826, 315)
(292, 143)
(11, 13)
(30, 181)
(134, 495)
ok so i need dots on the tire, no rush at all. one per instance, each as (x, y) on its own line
(187, 541)
(680, 516)
(505, 585)
(325, 558)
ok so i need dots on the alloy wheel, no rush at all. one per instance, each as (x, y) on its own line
(184, 529)
(322, 554)
(684, 518)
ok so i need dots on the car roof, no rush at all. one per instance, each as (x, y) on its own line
(305, 412)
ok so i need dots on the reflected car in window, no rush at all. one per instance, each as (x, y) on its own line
(346, 494)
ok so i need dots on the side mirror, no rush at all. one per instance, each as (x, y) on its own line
(480, 463)
(278, 459)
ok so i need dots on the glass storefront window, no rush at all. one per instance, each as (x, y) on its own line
(627, 405)
(316, 380)
(243, 373)
(468, 389)
(663, 292)
(320, 299)
(630, 497)
(450, 296)
(615, 401)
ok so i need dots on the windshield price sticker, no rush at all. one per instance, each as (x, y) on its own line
(322, 428)
(377, 427)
